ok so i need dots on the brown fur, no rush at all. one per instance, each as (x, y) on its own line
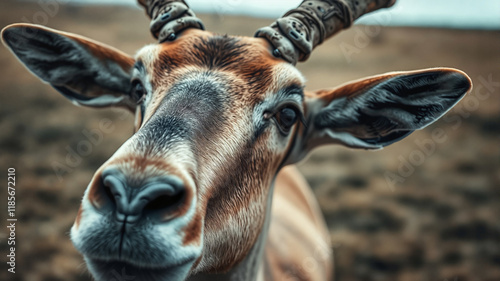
(78, 216)
(298, 246)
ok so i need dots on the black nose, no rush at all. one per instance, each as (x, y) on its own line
(154, 198)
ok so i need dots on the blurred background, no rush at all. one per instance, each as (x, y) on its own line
(425, 208)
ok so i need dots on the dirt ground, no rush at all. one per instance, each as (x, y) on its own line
(420, 209)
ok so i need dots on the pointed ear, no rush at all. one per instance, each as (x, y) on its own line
(86, 72)
(374, 112)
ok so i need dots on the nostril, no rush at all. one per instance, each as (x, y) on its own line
(116, 191)
(109, 194)
(159, 196)
(107, 184)
(103, 195)
(164, 202)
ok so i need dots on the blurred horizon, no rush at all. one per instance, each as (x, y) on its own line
(456, 14)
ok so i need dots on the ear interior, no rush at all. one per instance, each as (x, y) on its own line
(389, 110)
(87, 72)
(47, 54)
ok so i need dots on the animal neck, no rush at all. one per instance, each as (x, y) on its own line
(252, 265)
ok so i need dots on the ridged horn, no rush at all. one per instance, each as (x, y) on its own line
(300, 30)
(169, 17)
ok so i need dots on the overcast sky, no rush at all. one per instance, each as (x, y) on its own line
(482, 14)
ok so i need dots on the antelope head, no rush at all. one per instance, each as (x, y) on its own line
(216, 117)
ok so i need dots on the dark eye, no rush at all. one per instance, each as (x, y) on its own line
(286, 118)
(138, 92)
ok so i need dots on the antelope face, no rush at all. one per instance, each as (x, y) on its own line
(214, 121)
(216, 118)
